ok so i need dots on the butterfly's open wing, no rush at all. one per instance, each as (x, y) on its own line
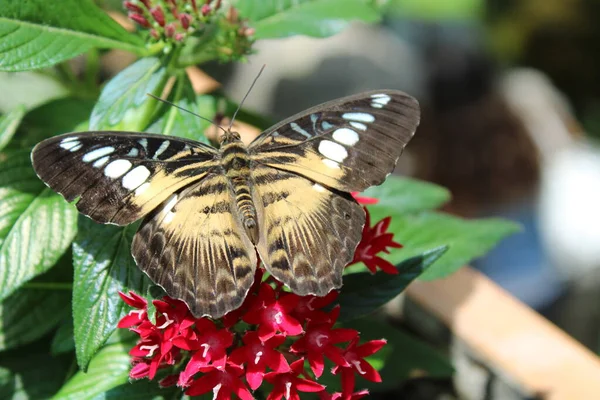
(118, 177)
(348, 144)
(194, 246)
(308, 233)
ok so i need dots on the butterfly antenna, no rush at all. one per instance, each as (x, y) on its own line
(187, 111)
(247, 93)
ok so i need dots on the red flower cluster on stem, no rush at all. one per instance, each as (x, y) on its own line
(275, 336)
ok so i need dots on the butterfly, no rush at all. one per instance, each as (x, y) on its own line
(209, 213)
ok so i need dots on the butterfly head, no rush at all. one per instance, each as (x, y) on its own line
(229, 136)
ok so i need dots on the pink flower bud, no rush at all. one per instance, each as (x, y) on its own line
(154, 34)
(205, 10)
(132, 7)
(170, 30)
(146, 3)
(185, 20)
(158, 15)
(179, 37)
(140, 19)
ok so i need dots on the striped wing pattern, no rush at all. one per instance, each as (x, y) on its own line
(308, 233)
(348, 144)
(194, 246)
(118, 177)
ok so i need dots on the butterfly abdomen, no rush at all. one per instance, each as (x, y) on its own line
(236, 162)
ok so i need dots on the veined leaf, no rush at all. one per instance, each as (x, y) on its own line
(406, 195)
(36, 225)
(109, 369)
(318, 18)
(38, 33)
(9, 124)
(364, 292)
(103, 267)
(123, 103)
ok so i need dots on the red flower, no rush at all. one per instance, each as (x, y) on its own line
(308, 307)
(337, 396)
(364, 200)
(223, 383)
(257, 356)
(375, 240)
(208, 346)
(288, 384)
(320, 339)
(134, 317)
(272, 314)
(354, 356)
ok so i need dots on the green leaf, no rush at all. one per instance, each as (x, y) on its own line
(405, 195)
(38, 33)
(437, 10)
(34, 310)
(123, 104)
(103, 267)
(36, 225)
(402, 355)
(63, 341)
(107, 370)
(30, 373)
(9, 124)
(142, 390)
(364, 292)
(466, 239)
(317, 18)
(58, 116)
(172, 121)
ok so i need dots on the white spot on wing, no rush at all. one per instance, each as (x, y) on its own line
(117, 168)
(301, 131)
(326, 125)
(134, 152)
(163, 147)
(96, 154)
(68, 139)
(100, 162)
(332, 150)
(360, 117)
(345, 136)
(318, 188)
(169, 215)
(142, 188)
(380, 100)
(331, 163)
(68, 145)
(135, 177)
(358, 125)
(74, 149)
(144, 143)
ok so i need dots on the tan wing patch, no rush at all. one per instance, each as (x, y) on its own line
(194, 246)
(308, 233)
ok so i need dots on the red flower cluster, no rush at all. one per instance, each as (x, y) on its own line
(170, 20)
(275, 336)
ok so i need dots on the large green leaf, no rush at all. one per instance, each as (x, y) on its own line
(123, 103)
(63, 341)
(466, 239)
(40, 33)
(52, 118)
(103, 267)
(109, 369)
(402, 355)
(363, 292)
(34, 310)
(36, 225)
(405, 195)
(30, 373)
(9, 124)
(318, 18)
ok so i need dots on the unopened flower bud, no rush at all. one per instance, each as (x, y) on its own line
(154, 34)
(170, 30)
(132, 7)
(179, 37)
(205, 10)
(140, 19)
(158, 15)
(185, 20)
(232, 14)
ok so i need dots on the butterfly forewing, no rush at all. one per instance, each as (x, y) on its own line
(308, 233)
(194, 246)
(348, 144)
(119, 177)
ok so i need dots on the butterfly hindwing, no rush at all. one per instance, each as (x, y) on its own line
(194, 246)
(118, 177)
(348, 144)
(308, 233)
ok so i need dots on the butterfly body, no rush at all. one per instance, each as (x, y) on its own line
(207, 213)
